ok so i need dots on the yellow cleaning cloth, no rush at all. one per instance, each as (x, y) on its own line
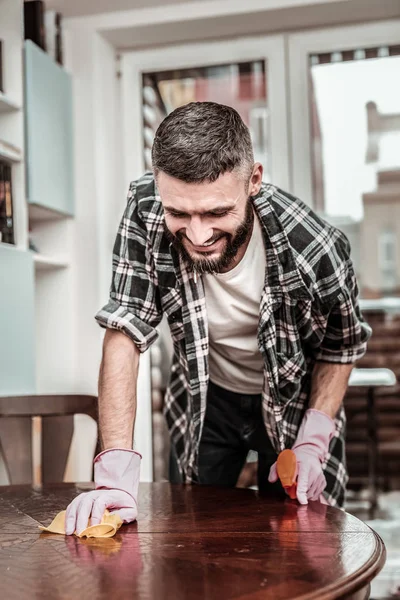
(107, 528)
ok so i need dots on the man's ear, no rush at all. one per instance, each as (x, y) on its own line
(255, 180)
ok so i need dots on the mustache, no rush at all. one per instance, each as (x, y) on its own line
(180, 235)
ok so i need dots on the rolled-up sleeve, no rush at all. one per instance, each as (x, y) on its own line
(345, 331)
(134, 306)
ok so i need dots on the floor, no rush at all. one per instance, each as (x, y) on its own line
(386, 522)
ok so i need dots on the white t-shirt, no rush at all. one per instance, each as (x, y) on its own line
(233, 305)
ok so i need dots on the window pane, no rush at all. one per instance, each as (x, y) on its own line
(355, 111)
(240, 85)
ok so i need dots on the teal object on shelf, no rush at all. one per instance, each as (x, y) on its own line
(48, 128)
(17, 322)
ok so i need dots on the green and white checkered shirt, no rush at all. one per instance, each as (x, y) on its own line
(308, 312)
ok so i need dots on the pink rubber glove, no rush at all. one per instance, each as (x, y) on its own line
(116, 476)
(310, 448)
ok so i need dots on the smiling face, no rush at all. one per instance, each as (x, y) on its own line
(210, 223)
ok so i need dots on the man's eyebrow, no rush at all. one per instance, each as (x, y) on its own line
(217, 209)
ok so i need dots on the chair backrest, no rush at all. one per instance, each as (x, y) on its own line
(57, 412)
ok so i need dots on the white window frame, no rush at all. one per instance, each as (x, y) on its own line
(300, 46)
(132, 65)
(268, 48)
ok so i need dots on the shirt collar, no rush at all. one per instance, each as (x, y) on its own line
(282, 269)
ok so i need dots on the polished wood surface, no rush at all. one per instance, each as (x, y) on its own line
(57, 412)
(190, 542)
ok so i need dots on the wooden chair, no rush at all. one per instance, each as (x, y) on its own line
(57, 412)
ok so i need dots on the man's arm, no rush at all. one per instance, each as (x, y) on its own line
(117, 467)
(117, 390)
(328, 386)
(130, 317)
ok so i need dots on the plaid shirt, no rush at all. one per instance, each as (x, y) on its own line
(308, 312)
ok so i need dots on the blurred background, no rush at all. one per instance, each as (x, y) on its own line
(84, 85)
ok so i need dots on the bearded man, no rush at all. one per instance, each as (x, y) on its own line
(262, 304)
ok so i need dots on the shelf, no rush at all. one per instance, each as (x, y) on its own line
(46, 263)
(8, 245)
(10, 153)
(39, 214)
(7, 105)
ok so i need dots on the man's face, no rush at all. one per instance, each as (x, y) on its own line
(208, 223)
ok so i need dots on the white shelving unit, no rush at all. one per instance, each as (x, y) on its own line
(50, 231)
(11, 112)
(50, 296)
(12, 151)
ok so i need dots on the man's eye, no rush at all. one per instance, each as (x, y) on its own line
(220, 214)
(177, 215)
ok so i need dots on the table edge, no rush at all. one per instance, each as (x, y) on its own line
(357, 580)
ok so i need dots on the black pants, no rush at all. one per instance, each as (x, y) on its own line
(233, 425)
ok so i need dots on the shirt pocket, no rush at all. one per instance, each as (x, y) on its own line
(291, 370)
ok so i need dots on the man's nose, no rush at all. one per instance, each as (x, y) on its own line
(197, 232)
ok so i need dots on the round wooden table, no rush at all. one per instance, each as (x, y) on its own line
(189, 542)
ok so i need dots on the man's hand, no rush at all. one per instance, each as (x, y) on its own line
(310, 448)
(116, 476)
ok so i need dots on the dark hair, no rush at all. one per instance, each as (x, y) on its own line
(202, 140)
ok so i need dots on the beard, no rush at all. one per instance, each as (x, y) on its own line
(233, 242)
